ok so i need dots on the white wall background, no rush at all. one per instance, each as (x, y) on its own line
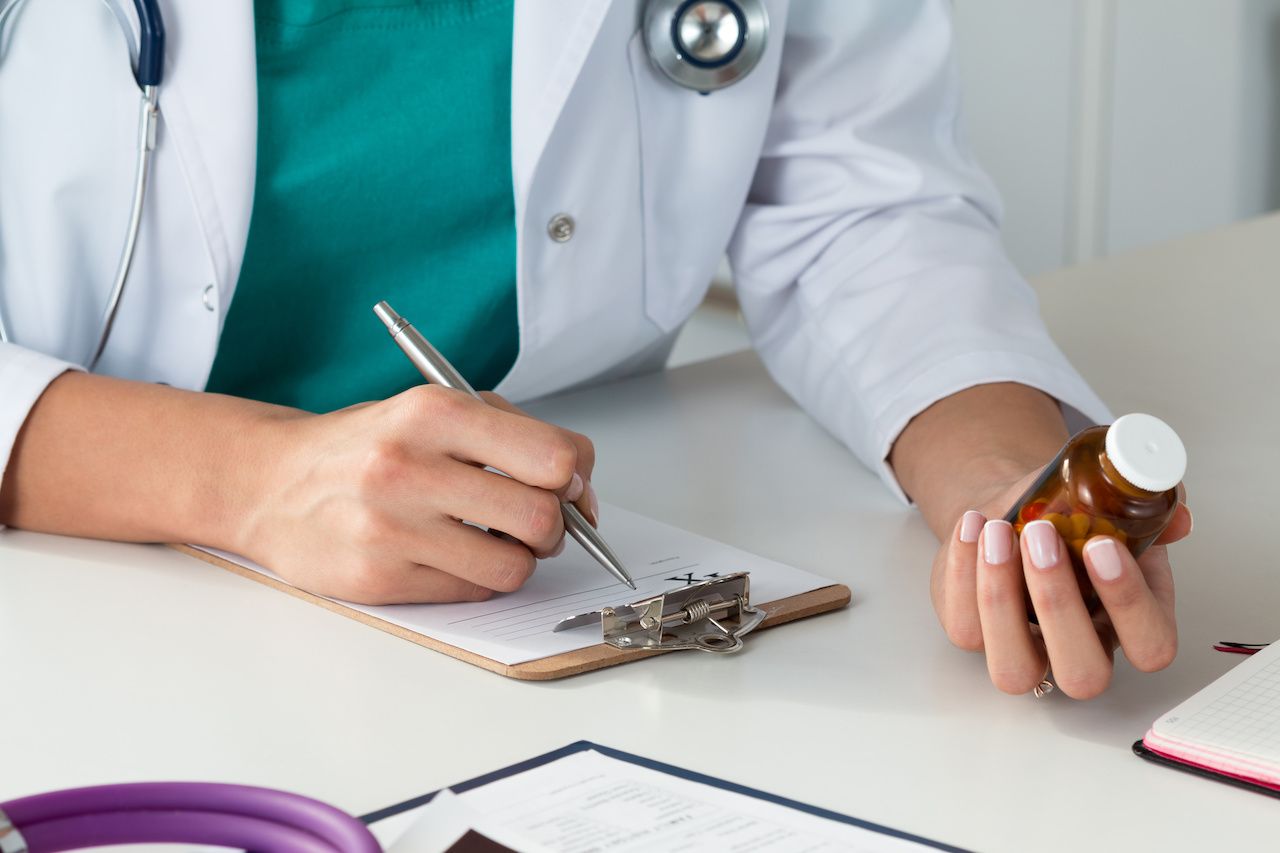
(1109, 124)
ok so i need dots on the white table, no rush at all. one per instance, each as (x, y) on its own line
(129, 662)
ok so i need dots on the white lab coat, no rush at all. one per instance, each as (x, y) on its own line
(862, 235)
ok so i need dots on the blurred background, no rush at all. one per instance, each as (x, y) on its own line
(1106, 124)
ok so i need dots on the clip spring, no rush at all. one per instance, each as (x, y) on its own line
(712, 616)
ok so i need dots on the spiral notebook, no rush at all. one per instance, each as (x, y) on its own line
(1230, 730)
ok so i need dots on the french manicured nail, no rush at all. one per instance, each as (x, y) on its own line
(997, 542)
(575, 488)
(1104, 554)
(971, 526)
(1042, 544)
(594, 503)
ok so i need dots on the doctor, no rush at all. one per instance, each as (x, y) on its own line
(546, 191)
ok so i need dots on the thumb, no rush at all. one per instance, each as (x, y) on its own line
(1179, 527)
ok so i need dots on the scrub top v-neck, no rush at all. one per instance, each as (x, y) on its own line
(384, 172)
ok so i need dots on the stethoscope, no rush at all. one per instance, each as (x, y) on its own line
(235, 816)
(148, 66)
(703, 45)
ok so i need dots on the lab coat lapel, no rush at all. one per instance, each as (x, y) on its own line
(209, 104)
(551, 41)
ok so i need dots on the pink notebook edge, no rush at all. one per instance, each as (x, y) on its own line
(1236, 767)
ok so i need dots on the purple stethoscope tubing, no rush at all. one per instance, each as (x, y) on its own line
(238, 816)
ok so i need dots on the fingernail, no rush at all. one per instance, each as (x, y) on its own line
(971, 526)
(575, 488)
(594, 503)
(558, 550)
(1042, 543)
(997, 541)
(1191, 520)
(1104, 554)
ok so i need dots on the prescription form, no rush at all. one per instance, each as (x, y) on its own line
(517, 627)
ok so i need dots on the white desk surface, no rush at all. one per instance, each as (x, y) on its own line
(128, 662)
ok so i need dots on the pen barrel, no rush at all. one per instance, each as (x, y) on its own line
(592, 542)
(430, 363)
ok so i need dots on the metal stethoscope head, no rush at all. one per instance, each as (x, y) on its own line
(148, 69)
(705, 45)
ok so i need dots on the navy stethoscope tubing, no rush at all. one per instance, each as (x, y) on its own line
(151, 47)
(703, 45)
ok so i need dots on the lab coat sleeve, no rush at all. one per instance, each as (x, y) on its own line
(868, 259)
(24, 374)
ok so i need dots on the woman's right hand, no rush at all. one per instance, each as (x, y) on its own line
(367, 504)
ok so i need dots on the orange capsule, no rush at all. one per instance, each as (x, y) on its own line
(1102, 527)
(1032, 511)
(1061, 522)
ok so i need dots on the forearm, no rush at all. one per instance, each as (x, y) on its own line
(113, 459)
(971, 443)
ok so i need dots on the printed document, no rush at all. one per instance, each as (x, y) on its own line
(587, 802)
(517, 627)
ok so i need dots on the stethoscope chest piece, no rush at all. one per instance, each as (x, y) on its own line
(705, 45)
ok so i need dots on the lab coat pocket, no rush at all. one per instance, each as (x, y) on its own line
(698, 154)
(679, 256)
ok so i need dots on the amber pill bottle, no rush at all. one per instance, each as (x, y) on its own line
(1115, 481)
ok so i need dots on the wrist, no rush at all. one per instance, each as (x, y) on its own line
(968, 450)
(988, 474)
(246, 472)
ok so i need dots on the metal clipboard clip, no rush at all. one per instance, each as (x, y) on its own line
(712, 616)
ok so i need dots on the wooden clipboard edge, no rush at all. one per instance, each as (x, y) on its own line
(779, 612)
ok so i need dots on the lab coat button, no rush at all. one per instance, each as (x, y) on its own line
(561, 228)
(209, 298)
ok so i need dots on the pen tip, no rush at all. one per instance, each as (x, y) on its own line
(386, 314)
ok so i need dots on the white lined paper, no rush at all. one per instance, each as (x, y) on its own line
(517, 627)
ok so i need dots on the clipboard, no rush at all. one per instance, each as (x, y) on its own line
(600, 656)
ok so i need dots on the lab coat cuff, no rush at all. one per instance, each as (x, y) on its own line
(24, 374)
(1081, 407)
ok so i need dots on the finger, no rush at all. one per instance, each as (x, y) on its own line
(1081, 666)
(590, 505)
(406, 583)
(583, 498)
(1144, 627)
(1015, 660)
(470, 554)
(586, 449)
(555, 552)
(959, 608)
(1180, 526)
(1156, 571)
(436, 419)
(529, 514)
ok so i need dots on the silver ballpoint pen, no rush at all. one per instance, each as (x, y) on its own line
(436, 368)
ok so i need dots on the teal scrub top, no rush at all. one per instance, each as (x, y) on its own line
(384, 172)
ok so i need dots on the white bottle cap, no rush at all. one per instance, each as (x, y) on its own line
(1147, 452)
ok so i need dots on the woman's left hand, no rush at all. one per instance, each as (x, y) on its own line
(984, 571)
